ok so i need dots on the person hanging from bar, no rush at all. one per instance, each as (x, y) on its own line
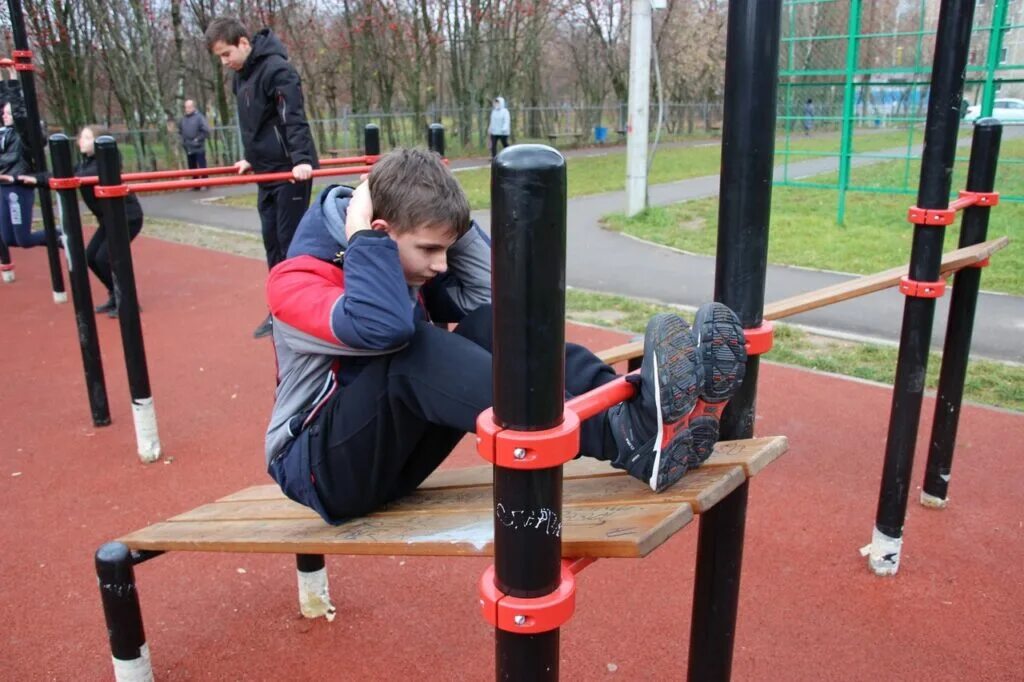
(275, 132)
(372, 395)
(16, 160)
(97, 254)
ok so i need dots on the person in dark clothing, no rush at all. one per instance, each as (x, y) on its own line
(275, 132)
(97, 254)
(194, 130)
(16, 160)
(372, 396)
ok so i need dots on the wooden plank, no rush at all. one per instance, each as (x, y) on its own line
(860, 286)
(620, 531)
(752, 454)
(700, 489)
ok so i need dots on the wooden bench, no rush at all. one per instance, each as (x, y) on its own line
(574, 136)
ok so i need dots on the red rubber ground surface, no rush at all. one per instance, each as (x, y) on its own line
(810, 610)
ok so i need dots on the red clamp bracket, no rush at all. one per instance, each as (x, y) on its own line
(111, 191)
(932, 217)
(528, 449)
(917, 289)
(65, 183)
(760, 339)
(987, 199)
(24, 66)
(528, 616)
(22, 54)
(984, 263)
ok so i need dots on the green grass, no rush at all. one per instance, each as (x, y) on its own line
(876, 235)
(607, 172)
(988, 382)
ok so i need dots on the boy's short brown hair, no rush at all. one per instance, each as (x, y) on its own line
(228, 29)
(413, 188)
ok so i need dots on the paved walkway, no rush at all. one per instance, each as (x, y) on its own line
(607, 261)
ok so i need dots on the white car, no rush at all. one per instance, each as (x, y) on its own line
(1006, 109)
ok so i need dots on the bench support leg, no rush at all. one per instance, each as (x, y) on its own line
(114, 569)
(314, 595)
(716, 589)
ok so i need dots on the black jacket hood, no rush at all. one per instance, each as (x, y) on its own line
(264, 44)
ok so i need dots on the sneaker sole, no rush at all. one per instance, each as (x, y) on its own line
(723, 351)
(678, 378)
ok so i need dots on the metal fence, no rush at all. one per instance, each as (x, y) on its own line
(466, 131)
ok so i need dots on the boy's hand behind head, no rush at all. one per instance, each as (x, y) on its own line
(360, 211)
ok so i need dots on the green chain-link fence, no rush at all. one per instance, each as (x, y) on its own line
(854, 88)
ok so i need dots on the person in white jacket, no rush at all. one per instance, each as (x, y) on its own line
(501, 125)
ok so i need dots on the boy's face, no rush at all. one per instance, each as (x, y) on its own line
(232, 56)
(423, 252)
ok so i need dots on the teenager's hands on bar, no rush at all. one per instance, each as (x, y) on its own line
(243, 166)
(28, 180)
(303, 171)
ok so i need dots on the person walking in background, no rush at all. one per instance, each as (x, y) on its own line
(194, 130)
(275, 132)
(808, 116)
(16, 198)
(501, 125)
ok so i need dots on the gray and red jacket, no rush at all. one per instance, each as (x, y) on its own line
(337, 304)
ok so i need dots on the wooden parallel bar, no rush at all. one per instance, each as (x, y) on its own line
(835, 293)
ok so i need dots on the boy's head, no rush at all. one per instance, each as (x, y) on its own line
(228, 39)
(421, 206)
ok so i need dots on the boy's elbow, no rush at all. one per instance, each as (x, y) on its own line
(373, 332)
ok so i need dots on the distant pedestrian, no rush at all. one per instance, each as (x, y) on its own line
(194, 130)
(501, 125)
(808, 116)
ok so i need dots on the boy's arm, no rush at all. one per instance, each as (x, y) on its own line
(364, 308)
(467, 284)
(286, 89)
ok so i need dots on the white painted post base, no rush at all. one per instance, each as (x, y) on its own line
(8, 275)
(933, 502)
(314, 596)
(146, 437)
(883, 553)
(137, 670)
(60, 297)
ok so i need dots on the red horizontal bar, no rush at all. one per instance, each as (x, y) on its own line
(216, 170)
(601, 398)
(242, 179)
(963, 202)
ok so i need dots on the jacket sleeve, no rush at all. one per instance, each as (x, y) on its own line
(204, 129)
(366, 307)
(467, 283)
(286, 90)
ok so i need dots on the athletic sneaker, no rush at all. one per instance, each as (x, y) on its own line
(107, 307)
(722, 353)
(648, 429)
(265, 328)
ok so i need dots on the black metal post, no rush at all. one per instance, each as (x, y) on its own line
(981, 177)
(371, 140)
(23, 58)
(528, 204)
(114, 568)
(748, 148)
(944, 101)
(119, 244)
(81, 294)
(6, 266)
(435, 138)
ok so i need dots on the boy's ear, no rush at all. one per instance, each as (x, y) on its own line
(382, 226)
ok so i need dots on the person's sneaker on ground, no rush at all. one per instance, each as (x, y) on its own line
(107, 307)
(652, 445)
(265, 328)
(722, 353)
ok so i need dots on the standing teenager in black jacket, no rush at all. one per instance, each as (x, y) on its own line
(275, 132)
(15, 160)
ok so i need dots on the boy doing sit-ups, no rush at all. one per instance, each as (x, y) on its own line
(372, 395)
